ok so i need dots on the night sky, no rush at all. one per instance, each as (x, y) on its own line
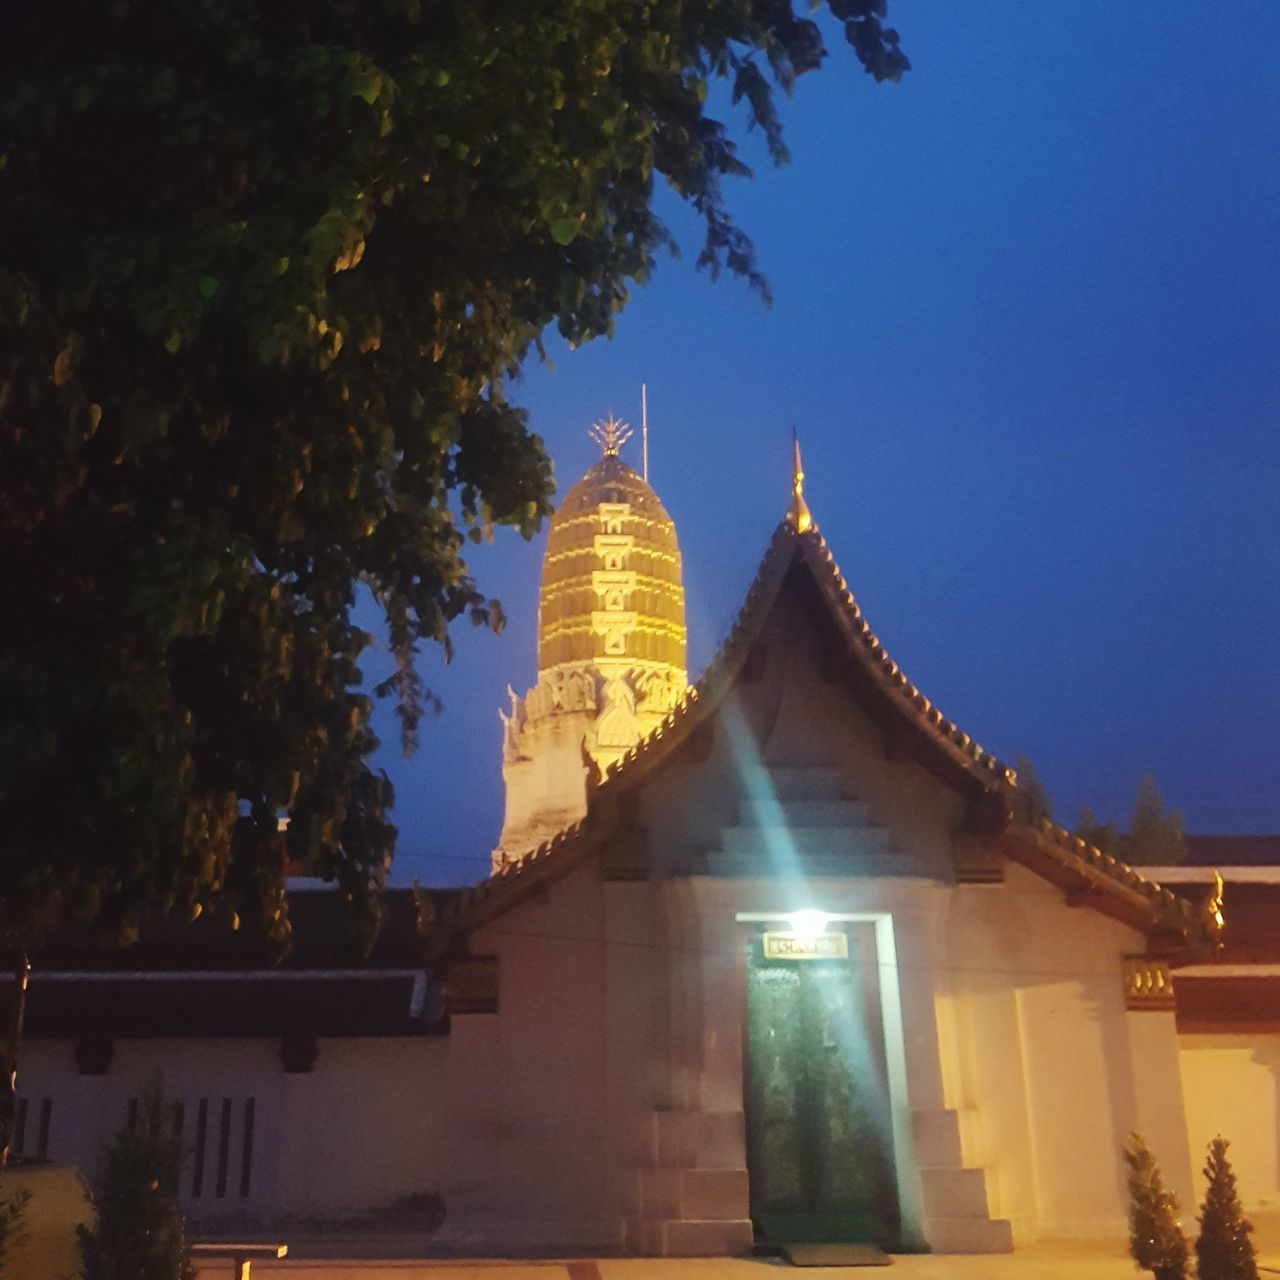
(1027, 322)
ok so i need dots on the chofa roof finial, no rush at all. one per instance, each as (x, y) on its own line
(610, 434)
(799, 517)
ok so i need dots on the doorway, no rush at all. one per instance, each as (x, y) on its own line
(819, 1144)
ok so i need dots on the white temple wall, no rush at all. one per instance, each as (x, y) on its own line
(1047, 1053)
(368, 1128)
(529, 1087)
(87, 1110)
(1232, 1088)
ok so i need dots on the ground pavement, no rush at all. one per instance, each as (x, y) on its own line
(1066, 1260)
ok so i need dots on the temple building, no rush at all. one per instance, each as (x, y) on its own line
(781, 956)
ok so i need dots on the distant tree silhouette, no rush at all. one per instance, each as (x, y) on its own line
(1103, 835)
(1155, 837)
(1032, 802)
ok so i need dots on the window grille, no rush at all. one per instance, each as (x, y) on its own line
(29, 1114)
(218, 1157)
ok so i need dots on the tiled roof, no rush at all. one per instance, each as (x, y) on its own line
(147, 1006)
(1233, 851)
(321, 939)
(202, 979)
(1047, 847)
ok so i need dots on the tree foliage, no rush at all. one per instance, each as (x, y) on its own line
(1032, 801)
(1156, 1242)
(1155, 837)
(13, 1226)
(266, 272)
(139, 1232)
(1224, 1250)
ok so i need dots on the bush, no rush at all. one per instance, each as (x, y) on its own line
(139, 1233)
(13, 1229)
(1156, 1241)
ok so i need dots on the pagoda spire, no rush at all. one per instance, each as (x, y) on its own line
(799, 517)
(610, 434)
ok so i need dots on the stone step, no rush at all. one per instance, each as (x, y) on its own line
(832, 867)
(703, 1238)
(954, 1193)
(642, 1237)
(808, 842)
(805, 813)
(693, 1193)
(804, 782)
(969, 1235)
(803, 869)
(696, 1140)
(937, 1139)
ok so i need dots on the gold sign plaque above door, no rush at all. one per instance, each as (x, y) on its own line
(793, 946)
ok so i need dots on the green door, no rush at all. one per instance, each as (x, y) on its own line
(818, 1140)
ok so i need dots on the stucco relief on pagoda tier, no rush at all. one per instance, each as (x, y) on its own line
(618, 709)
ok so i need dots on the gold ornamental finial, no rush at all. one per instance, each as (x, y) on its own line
(799, 517)
(610, 434)
(1215, 921)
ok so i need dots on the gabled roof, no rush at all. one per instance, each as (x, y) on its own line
(800, 558)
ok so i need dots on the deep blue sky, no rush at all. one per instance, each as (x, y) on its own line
(1027, 322)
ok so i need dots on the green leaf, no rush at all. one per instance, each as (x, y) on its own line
(208, 287)
(368, 85)
(565, 230)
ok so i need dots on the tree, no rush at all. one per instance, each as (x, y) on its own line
(1156, 1242)
(1102, 835)
(1155, 837)
(13, 1228)
(139, 1233)
(266, 273)
(1224, 1250)
(1033, 802)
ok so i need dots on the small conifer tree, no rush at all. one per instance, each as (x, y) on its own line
(1224, 1250)
(139, 1233)
(1156, 1242)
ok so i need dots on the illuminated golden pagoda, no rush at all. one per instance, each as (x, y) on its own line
(611, 646)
